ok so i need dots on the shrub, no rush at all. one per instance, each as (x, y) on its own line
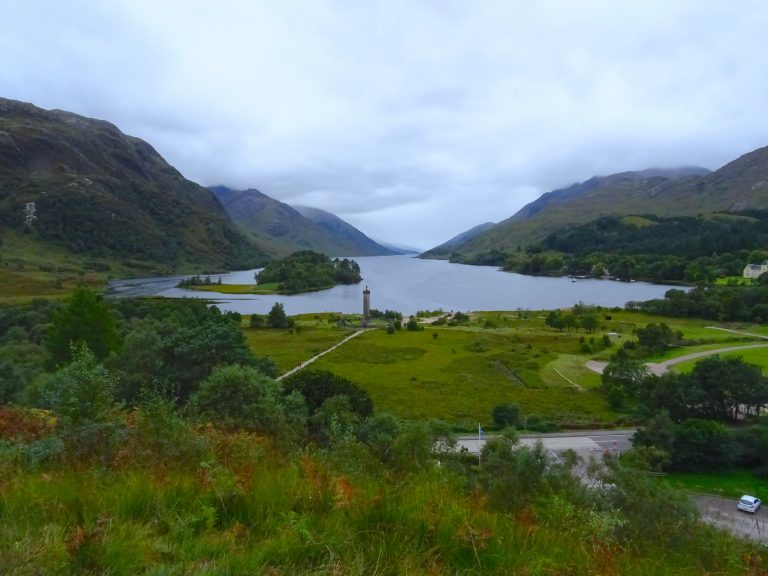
(506, 415)
(317, 386)
(241, 397)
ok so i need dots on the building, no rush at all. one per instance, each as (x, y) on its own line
(755, 270)
(366, 305)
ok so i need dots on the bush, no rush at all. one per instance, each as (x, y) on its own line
(242, 397)
(506, 415)
(317, 386)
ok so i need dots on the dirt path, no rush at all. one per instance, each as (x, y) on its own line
(738, 332)
(578, 387)
(323, 353)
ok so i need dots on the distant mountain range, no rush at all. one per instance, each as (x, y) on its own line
(83, 185)
(400, 248)
(279, 229)
(445, 249)
(737, 186)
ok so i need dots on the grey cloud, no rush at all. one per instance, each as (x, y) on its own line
(414, 120)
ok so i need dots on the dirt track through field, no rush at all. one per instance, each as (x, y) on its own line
(304, 364)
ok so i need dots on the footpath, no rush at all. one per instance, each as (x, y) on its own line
(304, 364)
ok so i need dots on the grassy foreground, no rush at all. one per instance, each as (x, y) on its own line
(207, 502)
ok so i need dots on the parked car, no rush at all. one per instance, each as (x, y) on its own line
(749, 504)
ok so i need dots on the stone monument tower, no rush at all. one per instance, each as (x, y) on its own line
(366, 305)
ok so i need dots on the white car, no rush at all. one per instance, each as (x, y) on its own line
(749, 504)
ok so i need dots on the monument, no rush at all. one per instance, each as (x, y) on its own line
(366, 306)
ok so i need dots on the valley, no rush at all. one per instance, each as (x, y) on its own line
(193, 421)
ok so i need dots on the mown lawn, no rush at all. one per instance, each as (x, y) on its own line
(460, 375)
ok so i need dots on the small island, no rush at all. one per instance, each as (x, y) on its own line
(304, 271)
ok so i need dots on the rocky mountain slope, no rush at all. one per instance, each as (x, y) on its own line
(81, 184)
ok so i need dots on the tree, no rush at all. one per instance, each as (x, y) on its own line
(81, 395)
(85, 319)
(555, 320)
(622, 377)
(277, 317)
(317, 386)
(703, 445)
(140, 360)
(655, 338)
(191, 352)
(82, 392)
(506, 415)
(379, 433)
(589, 322)
(242, 397)
(511, 474)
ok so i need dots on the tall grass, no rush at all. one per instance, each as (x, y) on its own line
(236, 503)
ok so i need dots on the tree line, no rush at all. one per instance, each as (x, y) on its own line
(694, 250)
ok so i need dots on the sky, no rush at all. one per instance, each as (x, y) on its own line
(412, 120)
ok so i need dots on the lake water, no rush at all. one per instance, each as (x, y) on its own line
(408, 284)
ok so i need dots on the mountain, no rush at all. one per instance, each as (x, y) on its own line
(345, 232)
(80, 184)
(446, 248)
(400, 249)
(279, 229)
(688, 191)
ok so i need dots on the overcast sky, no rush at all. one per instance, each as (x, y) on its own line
(412, 120)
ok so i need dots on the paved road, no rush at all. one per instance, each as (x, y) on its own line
(722, 512)
(587, 444)
(662, 367)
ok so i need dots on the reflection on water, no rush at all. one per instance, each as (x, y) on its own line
(408, 284)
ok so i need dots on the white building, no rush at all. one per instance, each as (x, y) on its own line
(755, 270)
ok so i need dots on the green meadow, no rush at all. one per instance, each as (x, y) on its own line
(460, 374)
(312, 334)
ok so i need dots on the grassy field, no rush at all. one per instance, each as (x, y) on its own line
(726, 484)
(30, 270)
(46, 270)
(270, 288)
(460, 375)
(313, 334)
(734, 280)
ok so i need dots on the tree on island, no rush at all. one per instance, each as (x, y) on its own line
(308, 270)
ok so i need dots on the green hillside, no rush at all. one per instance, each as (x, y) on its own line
(82, 186)
(737, 186)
